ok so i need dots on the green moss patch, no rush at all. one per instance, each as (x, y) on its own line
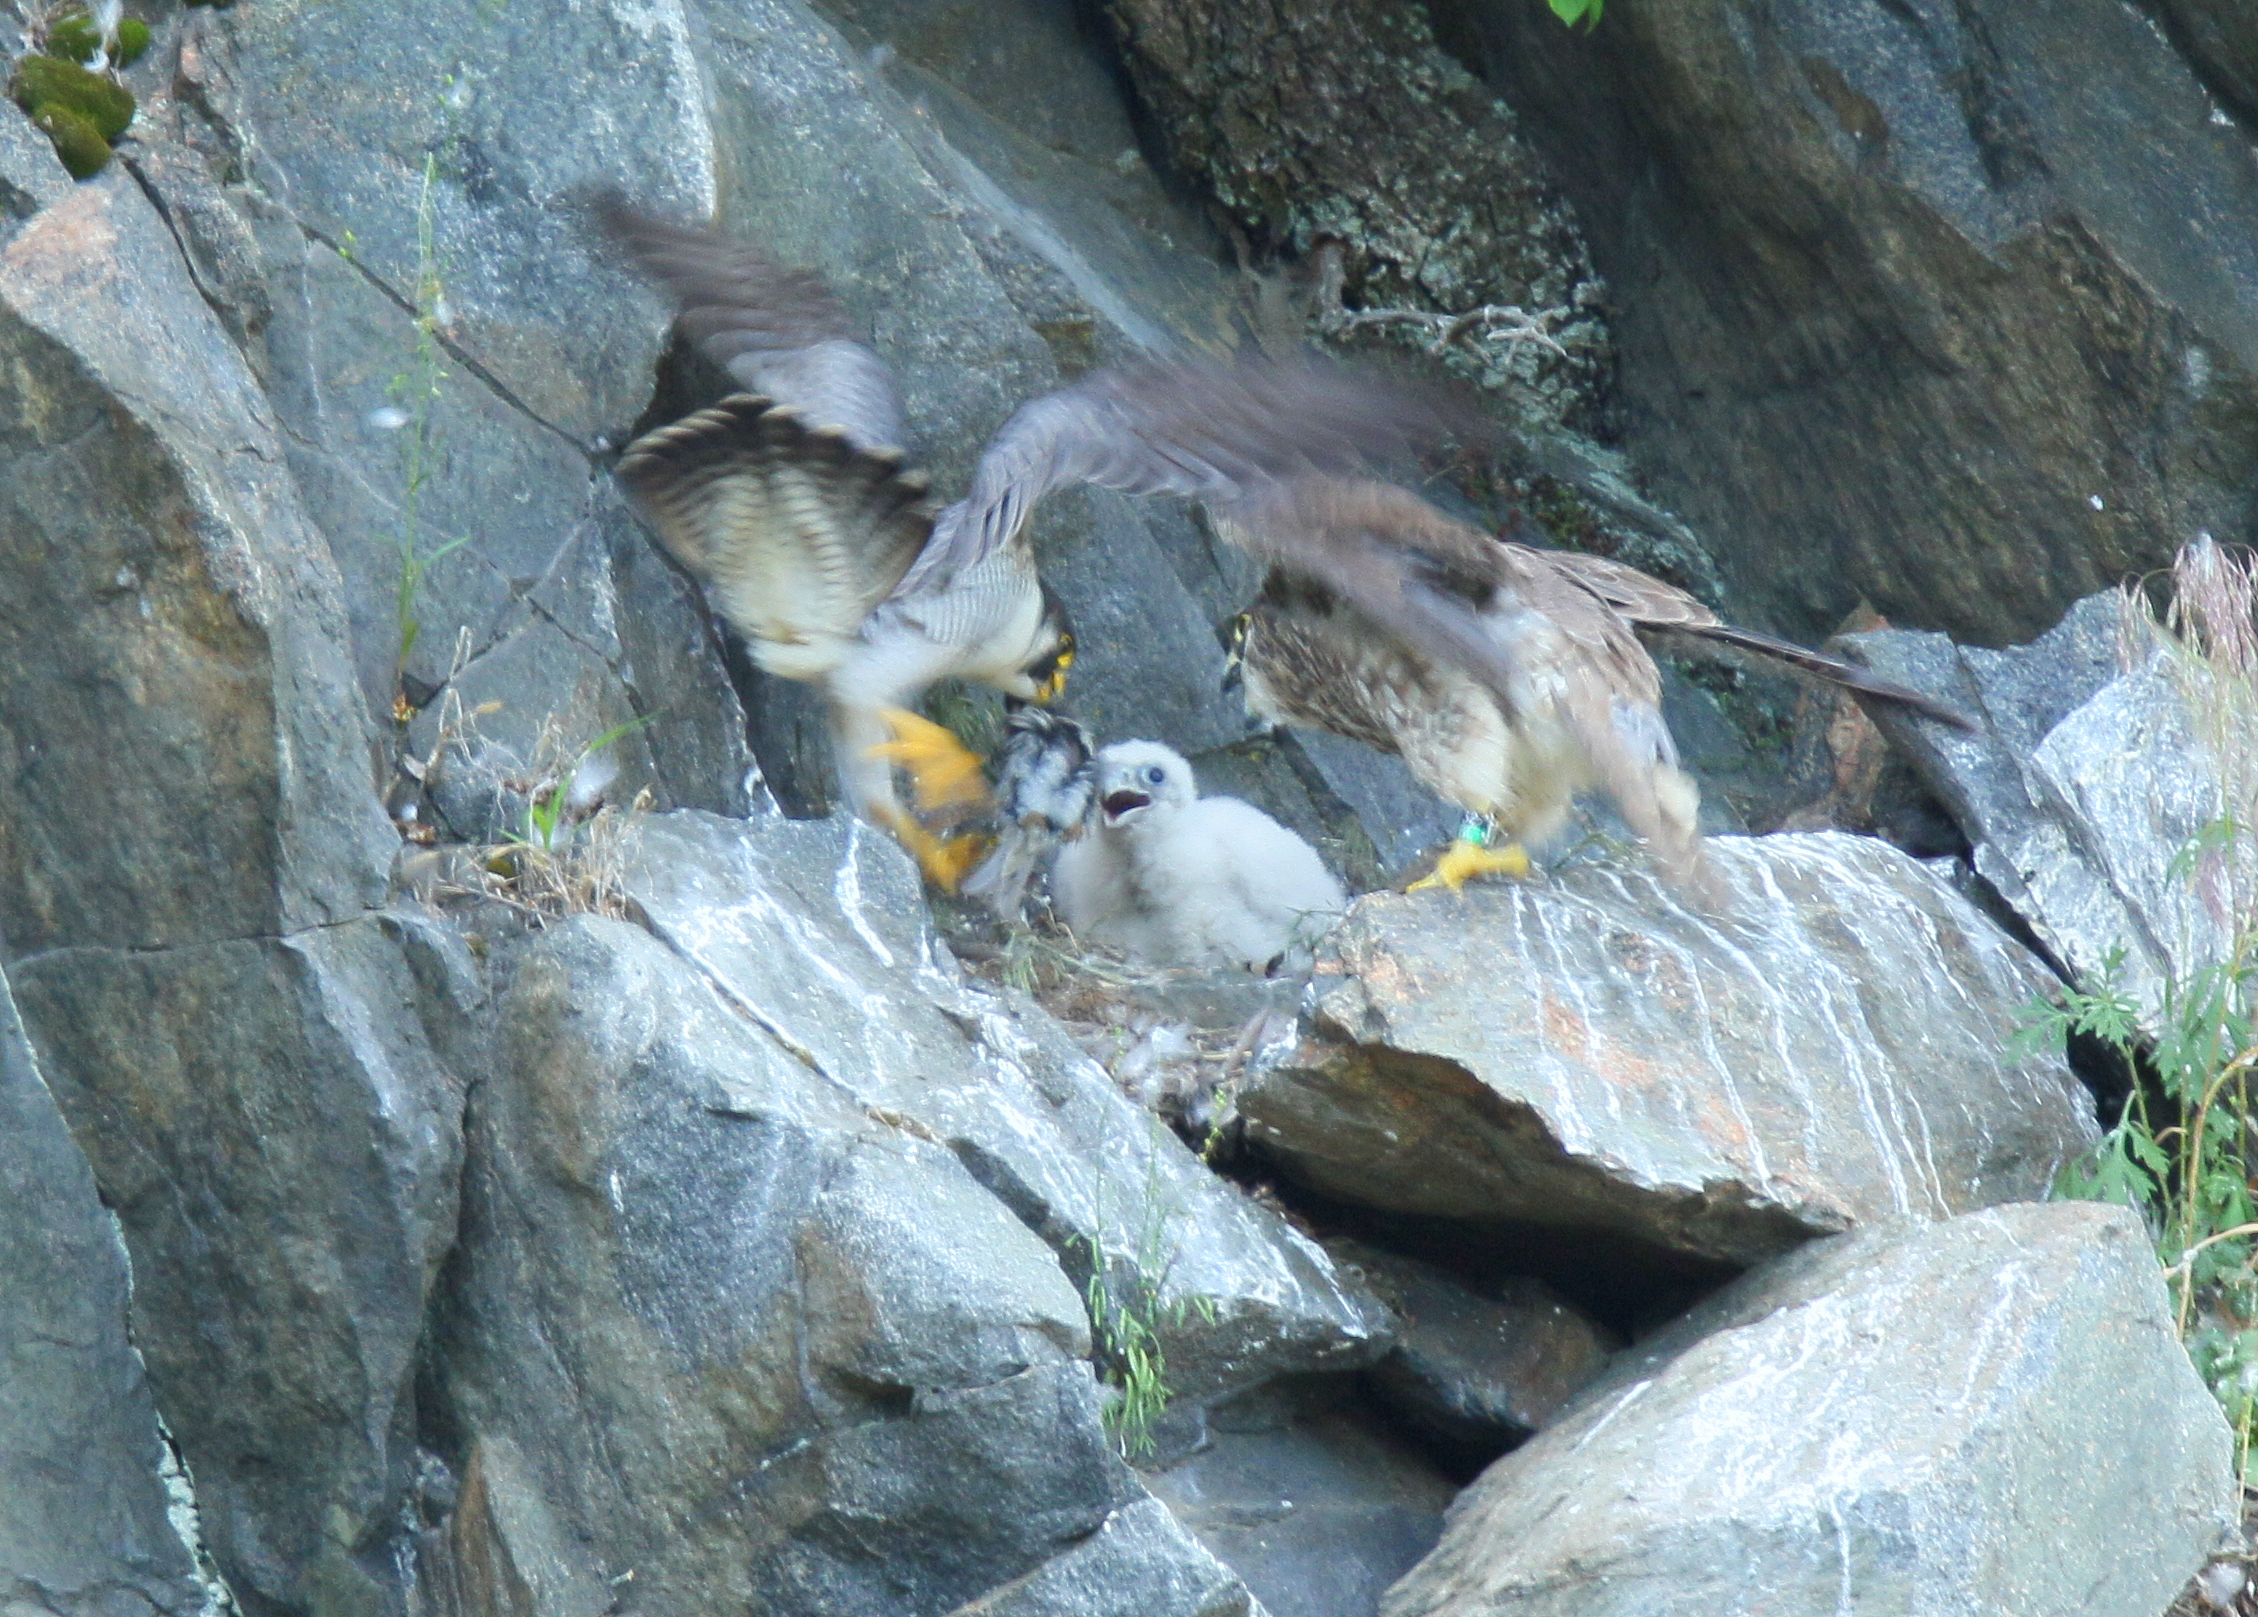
(81, 112)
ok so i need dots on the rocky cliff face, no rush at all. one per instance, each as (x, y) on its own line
(391, 1235)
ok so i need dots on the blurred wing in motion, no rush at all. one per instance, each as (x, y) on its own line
(780, 332)
(1214, 431)
(1432, 584)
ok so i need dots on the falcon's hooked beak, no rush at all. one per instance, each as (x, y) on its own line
(1050, 674)
(1235, 660)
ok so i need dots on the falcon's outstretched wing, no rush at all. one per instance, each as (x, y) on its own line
(1213, 431)
(780, 332)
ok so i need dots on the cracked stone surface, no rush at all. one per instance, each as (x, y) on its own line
(735, 1257)
(1588, 1053)
(172, 616)
(813, 930)
(2088, 793)
(1911, 1419)
(760, 1343)
(277, 1123)
(82, 1513)
(1310, 1498)
(1901, 315)
(1477, 1368)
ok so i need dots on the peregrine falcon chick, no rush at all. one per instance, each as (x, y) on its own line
(1581, 706)
(1171, 878)
(791, 501)
(1046, 780)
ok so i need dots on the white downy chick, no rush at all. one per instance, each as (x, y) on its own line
(1171, 878)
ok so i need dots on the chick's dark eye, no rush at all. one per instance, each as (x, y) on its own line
(1156, 774)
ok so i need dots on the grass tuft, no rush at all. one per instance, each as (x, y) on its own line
(2182, 1154)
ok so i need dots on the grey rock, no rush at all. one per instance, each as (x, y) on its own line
(1402, 817)
(181, 673)
(340, 111)
(277, 1124)
(2019, 694)
(1901, 313)
(31, 175)
(506, 1552)
(727, 1330)
(1588, 1053)
(1140, 1563)
(446, 344)
(1304, 129)
(2090, 783)
(769, 1289)
(1481, 1370)
(1909, 1419)
(1306, 1499)
(2221, 40)
(83, 1531)
(816, 931)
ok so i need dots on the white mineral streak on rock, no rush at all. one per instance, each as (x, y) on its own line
(805, 927)
(1910, 1419)
(1830, 1046)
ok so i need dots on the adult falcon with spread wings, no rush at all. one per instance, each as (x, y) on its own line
(793, 503)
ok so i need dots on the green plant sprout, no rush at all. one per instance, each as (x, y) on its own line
(1128, 1315)
(416, 389)
(1573, 12)
(2179, 1155)
(548, 803)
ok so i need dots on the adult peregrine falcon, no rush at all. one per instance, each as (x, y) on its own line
(793, 503)
(1582, 707)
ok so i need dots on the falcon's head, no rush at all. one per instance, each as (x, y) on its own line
(1042, 676)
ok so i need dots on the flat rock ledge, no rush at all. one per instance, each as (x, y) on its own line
(1588, 1052)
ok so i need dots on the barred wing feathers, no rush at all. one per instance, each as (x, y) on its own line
(798, 531)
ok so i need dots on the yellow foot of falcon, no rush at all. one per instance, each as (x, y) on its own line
(1465, 859)
(946, 861)
(945, 775)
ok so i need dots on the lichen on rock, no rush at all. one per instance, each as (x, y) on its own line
(1344, 123)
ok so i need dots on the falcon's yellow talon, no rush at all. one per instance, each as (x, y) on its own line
(953, 860)
(945, 861)
(944, 773)
(1465, 859)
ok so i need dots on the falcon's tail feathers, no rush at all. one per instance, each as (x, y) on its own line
(1832, 669)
